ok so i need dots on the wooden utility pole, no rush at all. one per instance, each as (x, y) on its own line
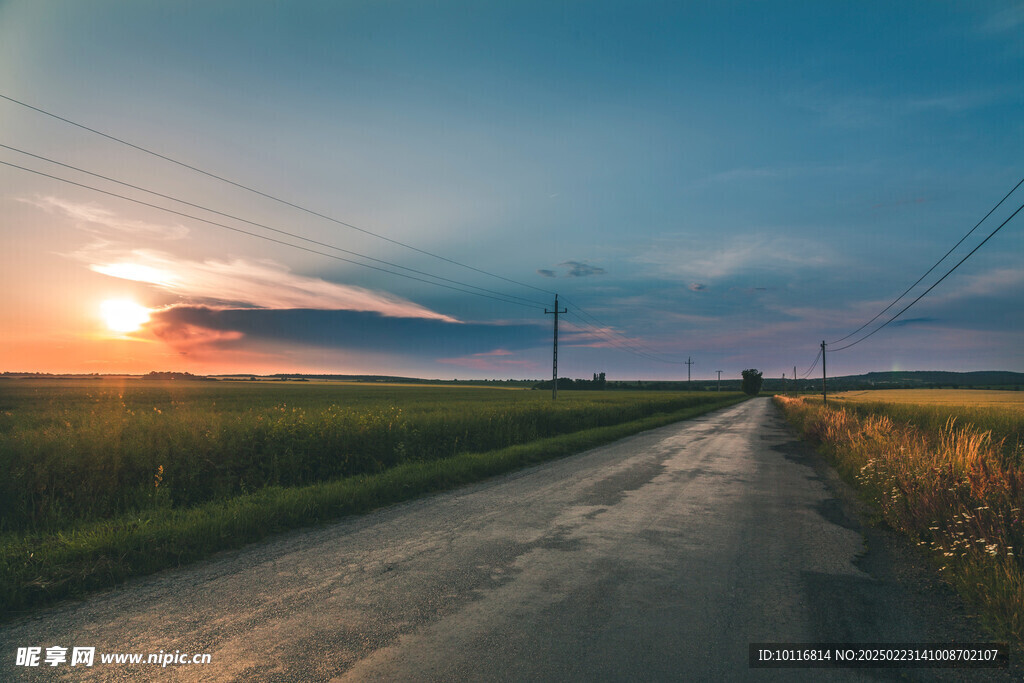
(794, 380)
(824, 384)
(719, 379)
(554, 357)
(689, 362)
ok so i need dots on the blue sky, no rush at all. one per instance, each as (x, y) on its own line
(728, 181)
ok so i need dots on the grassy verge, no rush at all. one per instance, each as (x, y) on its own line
(41, 568)
(951, 489)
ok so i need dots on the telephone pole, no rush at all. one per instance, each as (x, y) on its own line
(719, 379)
(824, 384)
(794, 380)
(689, 362)
(554, 357)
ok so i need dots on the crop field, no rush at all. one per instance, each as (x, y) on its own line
(937, 397)
(947, 472)
(101, 479)
(1001, 413)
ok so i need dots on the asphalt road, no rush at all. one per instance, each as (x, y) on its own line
(659, 557)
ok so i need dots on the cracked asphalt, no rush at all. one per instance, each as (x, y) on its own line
(659, 557)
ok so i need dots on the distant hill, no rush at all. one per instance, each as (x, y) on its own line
(917, 379)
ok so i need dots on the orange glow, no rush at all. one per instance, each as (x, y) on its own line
(124, 315)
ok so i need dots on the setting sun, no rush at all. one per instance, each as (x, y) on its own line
(124, 315)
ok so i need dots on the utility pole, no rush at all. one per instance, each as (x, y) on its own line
(554, 357)
(689, 363)
(719, 379)
(794, 380)
(824, 384)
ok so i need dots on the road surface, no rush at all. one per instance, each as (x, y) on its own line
(658, 557)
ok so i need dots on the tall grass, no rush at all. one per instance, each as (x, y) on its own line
(953, 488)
(60, 557)
(78, 452)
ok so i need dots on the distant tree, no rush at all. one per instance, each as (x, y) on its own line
(751, 382)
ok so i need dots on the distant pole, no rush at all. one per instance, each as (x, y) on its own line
(719, 379)
(794, 380)
(554, 357)
(824, 383)
(689, 363)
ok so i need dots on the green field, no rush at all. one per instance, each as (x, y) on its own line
(102, 479)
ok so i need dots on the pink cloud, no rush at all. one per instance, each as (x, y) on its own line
(495, 360)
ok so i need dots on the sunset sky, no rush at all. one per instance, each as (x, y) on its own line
(728, 181)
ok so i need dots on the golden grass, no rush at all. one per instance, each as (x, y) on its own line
(953, 489)
(952, 397)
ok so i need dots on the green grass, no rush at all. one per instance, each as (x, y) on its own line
(86, 450)
(263, 459)
(947, 479)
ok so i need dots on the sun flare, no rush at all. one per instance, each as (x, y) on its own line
(124, 315)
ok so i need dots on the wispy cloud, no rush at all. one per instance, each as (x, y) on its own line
(581, 269)
(695, 259)
(259, 284)
(95, 218)
(573, 269)
(202, 328)
(498, 360)
(1006, 19)
(232, 282)
(913, 321)
(868, 111)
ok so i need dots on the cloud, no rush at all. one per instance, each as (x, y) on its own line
(580, 269)
(867, 111)
(596, 337)
(189, 340)
(94, 218)
(259, 284)
(497, 360)
(191, 329)
(233, 282)
(574, 269)
(695, 260)
(1006, 19)
(913, 321)
(697, 287)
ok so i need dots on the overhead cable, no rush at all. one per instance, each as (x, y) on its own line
(934, 266)
(263, 237)
(948, 272)
(268, 195)
(265, 227)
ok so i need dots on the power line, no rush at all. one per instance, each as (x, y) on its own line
(295, 206)
(265, 227)
(813, 365)
(605, 331)
(948, 272)
(263, 237)
(969, 233)
(268, 196)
